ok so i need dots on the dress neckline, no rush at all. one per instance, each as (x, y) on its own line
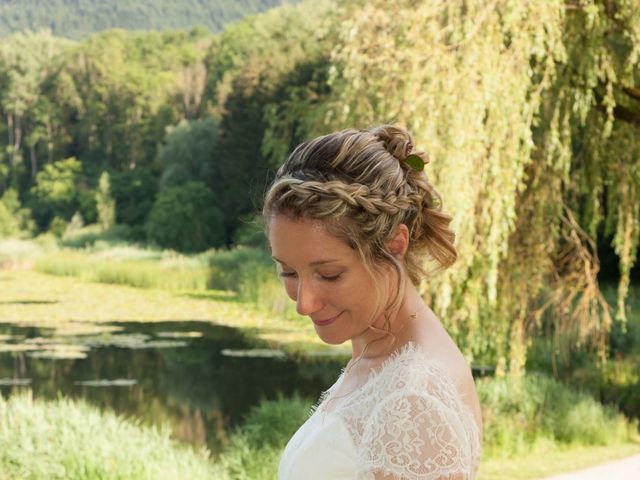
(409, 348)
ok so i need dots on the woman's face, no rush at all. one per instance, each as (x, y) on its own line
(326, 279)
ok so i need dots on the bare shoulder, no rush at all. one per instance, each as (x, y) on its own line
(438, 345)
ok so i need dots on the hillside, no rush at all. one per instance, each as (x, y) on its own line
(78, 18)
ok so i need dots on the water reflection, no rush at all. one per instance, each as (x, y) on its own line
(163, 373)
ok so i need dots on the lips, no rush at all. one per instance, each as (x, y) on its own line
(325, 322)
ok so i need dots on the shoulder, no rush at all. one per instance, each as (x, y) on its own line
(419, 427)
(410, 369)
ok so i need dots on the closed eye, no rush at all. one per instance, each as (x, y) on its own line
(332, 278)
(288, 274)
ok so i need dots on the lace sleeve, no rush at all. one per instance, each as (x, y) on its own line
(415, 435)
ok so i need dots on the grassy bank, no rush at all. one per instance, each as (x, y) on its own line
(247, 274)
(71, 440)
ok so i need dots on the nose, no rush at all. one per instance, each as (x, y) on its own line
(307, 300)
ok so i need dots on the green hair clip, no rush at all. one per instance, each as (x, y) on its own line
(415, 162)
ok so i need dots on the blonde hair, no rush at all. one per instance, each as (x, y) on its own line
(357, 183)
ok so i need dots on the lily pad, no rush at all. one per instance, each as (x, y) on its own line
(16, 347)
(116, 382)
(179, 334)
(14, 382)
(164, 344)
(61, 351)
(254, 353)
(122, 340)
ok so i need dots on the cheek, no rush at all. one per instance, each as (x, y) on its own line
(291, 287)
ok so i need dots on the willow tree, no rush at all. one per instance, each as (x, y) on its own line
(530, 114)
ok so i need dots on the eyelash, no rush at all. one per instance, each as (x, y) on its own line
(328, 279)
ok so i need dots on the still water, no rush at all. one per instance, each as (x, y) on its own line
(198, 378)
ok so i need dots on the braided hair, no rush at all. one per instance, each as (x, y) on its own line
(357, 183)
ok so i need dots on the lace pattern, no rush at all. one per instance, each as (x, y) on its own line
(408, 421)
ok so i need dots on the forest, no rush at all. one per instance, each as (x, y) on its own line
(76, 19)
(172, 137)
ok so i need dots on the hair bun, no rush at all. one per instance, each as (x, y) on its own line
(397, 141)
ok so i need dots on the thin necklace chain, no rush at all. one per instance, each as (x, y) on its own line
(350, 365)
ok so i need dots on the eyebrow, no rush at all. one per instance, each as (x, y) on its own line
(312, 264)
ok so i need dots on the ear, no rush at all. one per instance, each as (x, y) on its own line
(398, 242)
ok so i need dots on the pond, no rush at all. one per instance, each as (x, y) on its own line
(200, 379)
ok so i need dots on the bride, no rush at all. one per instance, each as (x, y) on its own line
(349, 218)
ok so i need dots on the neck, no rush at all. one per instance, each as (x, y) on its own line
(374, 344)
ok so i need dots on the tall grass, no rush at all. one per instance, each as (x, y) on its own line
(251, 273)
(247, 272)
(539, 413)
(71, 440)
(15, 252)
(121, 267)
(255, 448)
(616, 381)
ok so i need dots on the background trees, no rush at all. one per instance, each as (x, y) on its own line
(529, 111)
(79, 18)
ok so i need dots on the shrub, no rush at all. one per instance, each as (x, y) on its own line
(14, 220)
(255, 448)
(188, 153)
(134, 193)
(537, 411)
(105, 204)
(184, 218)
(55, 193)
(58, 226)
(8, 223)
(71, 440)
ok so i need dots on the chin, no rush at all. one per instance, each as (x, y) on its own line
(329, 337)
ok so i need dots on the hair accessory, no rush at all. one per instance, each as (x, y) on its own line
(415, 162)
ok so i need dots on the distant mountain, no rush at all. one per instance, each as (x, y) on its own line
(78, 18)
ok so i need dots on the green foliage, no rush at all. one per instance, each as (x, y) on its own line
(16, 220)
(126, 266)
(59, 440)
(76, 19)
(189, 153)
(185, 218)
(134, 192)
(247, 66)
(230, 268)
(536, 412)
(129, 88)
(250, 232)
(55, 193)
(537, 103)
(105, 204)
(26, 59)
(533, 106)
(58, 226)
(616, 381)
(255, 448)
(87, 205)
(249, 271)
(8, 224)
(90, 235)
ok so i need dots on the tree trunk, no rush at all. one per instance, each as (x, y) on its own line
(34, 161)
(17, 140)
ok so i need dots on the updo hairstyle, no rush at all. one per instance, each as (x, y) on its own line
(357, 183)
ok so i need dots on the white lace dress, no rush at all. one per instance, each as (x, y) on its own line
(407, 421)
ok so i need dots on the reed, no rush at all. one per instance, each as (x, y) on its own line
(71, 440)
